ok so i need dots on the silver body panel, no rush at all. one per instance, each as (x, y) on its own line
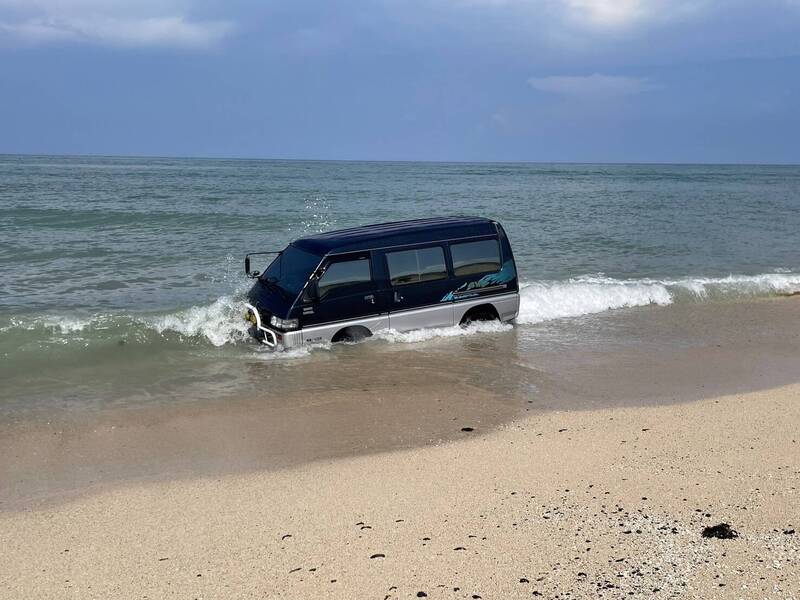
(322, 334)
(507, 306)
(439, 315)
(444, 315)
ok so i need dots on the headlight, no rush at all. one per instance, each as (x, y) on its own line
(284, 323)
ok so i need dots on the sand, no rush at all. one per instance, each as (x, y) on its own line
(577, 504)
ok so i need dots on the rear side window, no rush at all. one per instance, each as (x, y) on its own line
(413, 266)
(343, 274)
(470, 258)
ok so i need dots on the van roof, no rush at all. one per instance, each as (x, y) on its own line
(417, 231)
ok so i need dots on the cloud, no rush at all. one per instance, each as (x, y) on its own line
(595, 85)
(603, 14)
(122, 24)
(608, 13)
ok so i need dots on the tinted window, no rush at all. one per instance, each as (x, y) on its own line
(412, 266)
(344, 273)
(291, 269)
(475, 257)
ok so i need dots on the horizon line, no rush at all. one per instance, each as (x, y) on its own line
(426, 161)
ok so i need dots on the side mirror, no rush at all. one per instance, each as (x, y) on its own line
(251, 274)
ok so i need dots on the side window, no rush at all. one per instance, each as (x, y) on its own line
(344, 273)
(470, 258)
(413, 266)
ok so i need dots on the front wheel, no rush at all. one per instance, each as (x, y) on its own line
(351, 335)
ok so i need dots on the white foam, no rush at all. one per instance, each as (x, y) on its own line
(740, 285)
(545, 301)
(68, 324)
(423, 335)
(548, 300)
(220, 322)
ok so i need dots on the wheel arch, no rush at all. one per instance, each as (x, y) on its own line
(351, 333)
(480, 312)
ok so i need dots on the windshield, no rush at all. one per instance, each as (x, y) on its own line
(291, 269)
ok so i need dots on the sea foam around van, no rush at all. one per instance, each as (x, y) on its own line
(220, 322)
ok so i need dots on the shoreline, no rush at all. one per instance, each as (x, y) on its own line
(522, 509)
(419, 396)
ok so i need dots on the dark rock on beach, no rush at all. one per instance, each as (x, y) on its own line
(723, 531)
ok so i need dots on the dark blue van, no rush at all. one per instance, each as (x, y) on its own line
(344, 285)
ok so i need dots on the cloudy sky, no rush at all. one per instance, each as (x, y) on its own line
(521, 80)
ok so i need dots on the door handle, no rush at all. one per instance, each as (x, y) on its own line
(370, 298)
(398, 297)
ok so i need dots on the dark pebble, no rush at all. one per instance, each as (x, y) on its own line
(467, 429)
(523, 580)
(788, 531)
(723, 531)
(422, 595)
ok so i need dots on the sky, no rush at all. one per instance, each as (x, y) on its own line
(451, 80)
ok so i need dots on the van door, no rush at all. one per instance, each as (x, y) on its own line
(418, 288)
(346, 291)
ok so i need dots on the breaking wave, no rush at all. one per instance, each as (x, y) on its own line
(545, 301)
(220, 322)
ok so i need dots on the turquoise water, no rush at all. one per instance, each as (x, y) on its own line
(122, 277)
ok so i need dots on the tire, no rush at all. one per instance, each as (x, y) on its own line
(351, 335)
(479, 313)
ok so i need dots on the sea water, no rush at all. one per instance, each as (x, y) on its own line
(122, 278)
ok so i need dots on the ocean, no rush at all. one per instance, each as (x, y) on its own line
(122, 278)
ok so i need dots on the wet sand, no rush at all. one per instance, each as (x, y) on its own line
(500, 465)
(584, 504)
(375, 397)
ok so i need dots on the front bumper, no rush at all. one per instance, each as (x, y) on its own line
(268, 336)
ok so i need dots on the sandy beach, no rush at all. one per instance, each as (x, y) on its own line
(581, 504)
(450, 299)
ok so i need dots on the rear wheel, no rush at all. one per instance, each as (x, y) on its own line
(486, 312)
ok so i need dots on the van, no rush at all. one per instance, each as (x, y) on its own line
(346, 285)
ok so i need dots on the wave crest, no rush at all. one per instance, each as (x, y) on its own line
(548, 300)
(220, 322)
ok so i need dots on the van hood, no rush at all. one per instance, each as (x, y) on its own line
(270, 299)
